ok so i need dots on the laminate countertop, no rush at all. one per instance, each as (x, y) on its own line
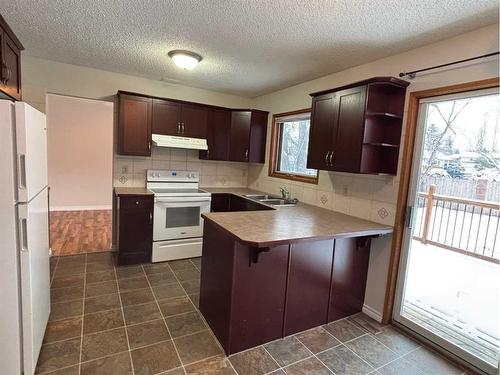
(289, 224)
(132, 191)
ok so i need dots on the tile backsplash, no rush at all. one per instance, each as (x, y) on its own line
(365, 196)
(130, 171)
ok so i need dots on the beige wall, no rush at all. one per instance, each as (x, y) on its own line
(44, 76)
(362, 196)
(80, 153)
(370, 197)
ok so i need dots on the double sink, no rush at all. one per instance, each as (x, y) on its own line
(272, 200)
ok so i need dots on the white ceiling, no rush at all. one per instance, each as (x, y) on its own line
(249, 47)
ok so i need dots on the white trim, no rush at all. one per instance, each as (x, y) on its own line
(372, 313)
(80, 208)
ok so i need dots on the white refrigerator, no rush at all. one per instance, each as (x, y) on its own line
(24, 237)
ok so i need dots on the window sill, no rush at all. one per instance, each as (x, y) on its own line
(294, 177)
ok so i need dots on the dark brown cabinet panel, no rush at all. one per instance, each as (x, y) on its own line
(348, 129)
(166, 117)
(220, 202)
(356, 128)
(242, 301)
(323, 115)
(258, 134)
(349, 273)
(247, 139)
(308, 288)
(223, 202)
(218, 127)
(260, 314)
(134, 125)
(239, 138)
(134, 228)
(10, 59)
(194, 121)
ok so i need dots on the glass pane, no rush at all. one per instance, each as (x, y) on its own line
(452, 287)
(182, 217)
(294, 142)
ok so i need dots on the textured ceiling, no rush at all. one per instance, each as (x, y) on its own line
(249, 47)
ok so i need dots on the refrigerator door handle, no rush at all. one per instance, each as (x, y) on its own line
(21, 176)
(23, 235)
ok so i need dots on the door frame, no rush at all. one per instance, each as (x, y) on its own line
(405, 178)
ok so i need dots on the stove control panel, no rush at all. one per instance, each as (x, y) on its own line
(163, 175)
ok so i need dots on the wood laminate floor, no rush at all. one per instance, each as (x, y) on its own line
(78, 232)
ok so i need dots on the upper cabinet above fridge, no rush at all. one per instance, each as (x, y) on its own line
(10, 60)
(357, 128)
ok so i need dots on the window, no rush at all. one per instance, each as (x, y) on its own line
(289, 145)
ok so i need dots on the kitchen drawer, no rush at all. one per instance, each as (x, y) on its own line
(136, 202)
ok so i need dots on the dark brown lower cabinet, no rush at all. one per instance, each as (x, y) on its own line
(350, 270)
(224, 202)
(134, 228)
(308, 285)
(250, 296)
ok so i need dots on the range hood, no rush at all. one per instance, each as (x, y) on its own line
(179, 142)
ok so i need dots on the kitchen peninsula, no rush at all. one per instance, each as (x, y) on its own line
(267, 274)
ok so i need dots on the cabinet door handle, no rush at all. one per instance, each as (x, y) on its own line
(182, 128)
(326, 157)
(246, 154)
(150, 218)
(331, 159)
(178, 128)
(149, 145)
(208, 153)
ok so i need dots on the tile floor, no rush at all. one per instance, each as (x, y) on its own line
(144, 320)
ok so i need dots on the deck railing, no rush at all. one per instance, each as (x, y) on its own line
(466, 226)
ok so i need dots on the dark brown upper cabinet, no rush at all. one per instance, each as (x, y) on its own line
(247, 137)
(174, 118)
(236, 135)
(166, 117)
(10, 59)
(218, 126)
(357, 128)
(134, 125)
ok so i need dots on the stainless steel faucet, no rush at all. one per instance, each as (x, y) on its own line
(285, 194)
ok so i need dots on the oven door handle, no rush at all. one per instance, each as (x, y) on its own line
(181, 200)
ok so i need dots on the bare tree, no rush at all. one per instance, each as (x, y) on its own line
(448, 121)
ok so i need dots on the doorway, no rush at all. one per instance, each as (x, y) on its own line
(448, 289)
(80, 174)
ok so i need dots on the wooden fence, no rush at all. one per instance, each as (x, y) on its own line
(470, 189)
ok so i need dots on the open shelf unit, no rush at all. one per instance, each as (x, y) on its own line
(382, 128)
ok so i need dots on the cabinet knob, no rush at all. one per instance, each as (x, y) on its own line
(136, 202)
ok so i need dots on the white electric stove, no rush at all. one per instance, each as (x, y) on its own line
(177, 221)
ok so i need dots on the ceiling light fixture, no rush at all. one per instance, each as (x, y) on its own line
(185, 59)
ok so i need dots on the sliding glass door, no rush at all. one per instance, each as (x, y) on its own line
(449, 280)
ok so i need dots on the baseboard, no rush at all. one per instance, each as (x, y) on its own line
(80, 208)
(372, 313)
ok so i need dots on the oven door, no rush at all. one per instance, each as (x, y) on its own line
(179, 217)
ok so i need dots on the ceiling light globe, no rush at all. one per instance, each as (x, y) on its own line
(185, 59)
